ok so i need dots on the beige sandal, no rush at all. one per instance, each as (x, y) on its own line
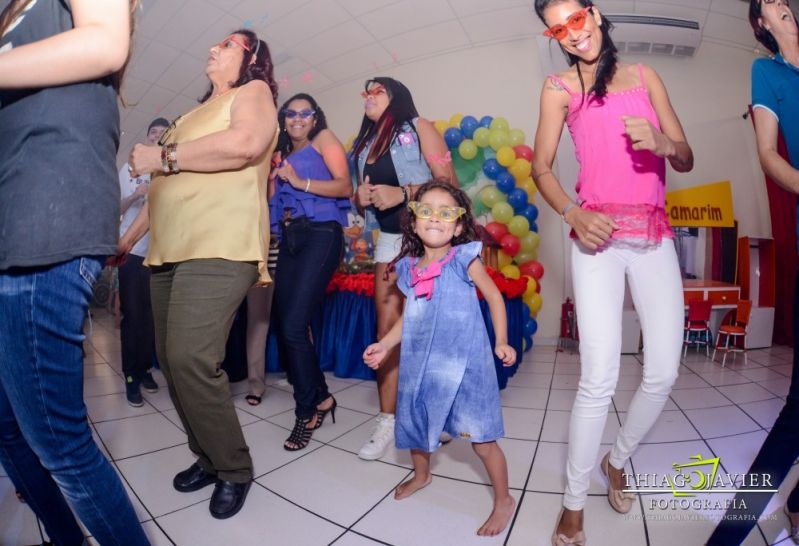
(620, 501)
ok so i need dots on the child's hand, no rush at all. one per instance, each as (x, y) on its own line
(374, 355)
(505, 353)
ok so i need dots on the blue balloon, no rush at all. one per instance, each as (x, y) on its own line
(518, 200)
(505, 182)
(534, 227)
(485, 121)
(453, 136)
(530, 327)
(493, 169)
(526, 310)
(531, 213)
(468, 126)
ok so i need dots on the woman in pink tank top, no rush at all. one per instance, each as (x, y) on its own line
(624, 129)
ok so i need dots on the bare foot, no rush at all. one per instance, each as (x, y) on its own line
(499, 518)
(408, 488)
(571, 523)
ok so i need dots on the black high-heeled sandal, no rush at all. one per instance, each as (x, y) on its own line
(321, 414)
(300, 435)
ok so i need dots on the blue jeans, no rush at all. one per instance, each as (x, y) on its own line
(309, 254)
(775, 458)
(46, 446)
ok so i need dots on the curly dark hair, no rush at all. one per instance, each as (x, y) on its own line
(608, 58)
(412, 245)
(763, 35)
(284, 144)
(262, 69)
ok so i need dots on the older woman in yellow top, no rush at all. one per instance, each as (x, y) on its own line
(209, 231)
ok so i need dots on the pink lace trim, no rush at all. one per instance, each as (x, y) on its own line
(641, 226)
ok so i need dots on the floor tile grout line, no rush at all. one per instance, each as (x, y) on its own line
(300, 506)
(518, 509)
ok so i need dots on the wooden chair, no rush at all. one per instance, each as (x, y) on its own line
(736, 330)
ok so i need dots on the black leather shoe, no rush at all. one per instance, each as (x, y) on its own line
(193, 478)
(228, 498)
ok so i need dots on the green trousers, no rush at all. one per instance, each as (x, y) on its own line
(194, 303)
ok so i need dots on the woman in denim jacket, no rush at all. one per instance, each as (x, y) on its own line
(395, 151)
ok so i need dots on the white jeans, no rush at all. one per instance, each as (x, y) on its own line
(656, 288)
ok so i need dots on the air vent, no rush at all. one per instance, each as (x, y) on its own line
(647, 34)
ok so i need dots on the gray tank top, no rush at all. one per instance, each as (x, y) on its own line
(59, 194)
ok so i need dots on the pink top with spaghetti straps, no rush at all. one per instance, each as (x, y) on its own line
(614, 179)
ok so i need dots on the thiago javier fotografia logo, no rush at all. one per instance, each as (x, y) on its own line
(691, 481)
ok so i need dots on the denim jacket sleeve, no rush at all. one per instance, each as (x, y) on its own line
(409, 162)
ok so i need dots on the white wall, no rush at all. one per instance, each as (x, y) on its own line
(710, 92)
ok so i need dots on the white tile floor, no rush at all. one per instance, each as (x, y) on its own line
(325, 494)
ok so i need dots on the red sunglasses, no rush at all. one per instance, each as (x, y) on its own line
(224, 43)
(375, 90)
(576, 21)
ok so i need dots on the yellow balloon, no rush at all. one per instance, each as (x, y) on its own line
(500, 123)
(441, 126)
(529, 186)
(511, 271)
(533, 301)
(520, 169)
(531, 287)
(536, 303)
(503, 259)
(506, 156)
(517, 137)
(480, 136)
(455, 120)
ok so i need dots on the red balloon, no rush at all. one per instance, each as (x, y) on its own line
(510, 244)
(533, 269)
(497, 230)
(523, 151)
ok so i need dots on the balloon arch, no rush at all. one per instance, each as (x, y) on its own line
(493, 165)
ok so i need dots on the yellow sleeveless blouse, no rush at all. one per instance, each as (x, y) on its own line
(210, 215)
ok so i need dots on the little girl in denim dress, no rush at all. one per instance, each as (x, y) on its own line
(447, 379)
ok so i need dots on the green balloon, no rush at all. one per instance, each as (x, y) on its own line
(480, 137)
(490, 196)
(517, 137)
(518, 225)
(502, 212)
(523, 256)
(500, 123)
(529, 241)
(467, 149)
(497, 139)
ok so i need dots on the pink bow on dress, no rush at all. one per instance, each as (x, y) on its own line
(423, 280)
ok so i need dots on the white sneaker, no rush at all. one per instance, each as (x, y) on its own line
(382, 435)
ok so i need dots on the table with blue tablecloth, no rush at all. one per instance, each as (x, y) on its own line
(348, 324)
